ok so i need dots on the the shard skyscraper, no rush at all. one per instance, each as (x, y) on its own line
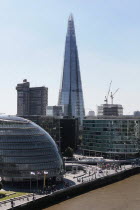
(71, 94)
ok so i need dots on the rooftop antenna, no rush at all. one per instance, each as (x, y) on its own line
(112, 95)
(106, 97)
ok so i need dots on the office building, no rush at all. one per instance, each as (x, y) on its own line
(55, 111)
(137, 113)
(111, 137)
(69, 133)
(65, 131)
(24, 148)
(31, 101)
(71, 94)
(23, 98)
(91, 113)
(110, 110)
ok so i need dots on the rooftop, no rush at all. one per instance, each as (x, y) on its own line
(13, 118)
(103, 117)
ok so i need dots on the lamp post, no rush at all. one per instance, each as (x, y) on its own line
(44, 182)
(30, 182)
(38, 173)
(31, 173)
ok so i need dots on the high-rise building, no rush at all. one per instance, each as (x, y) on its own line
(38, 100)
(31, 101)
(23, 95)
(71, 94)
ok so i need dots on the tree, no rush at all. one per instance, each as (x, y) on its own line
(68, 152)
(1, 186)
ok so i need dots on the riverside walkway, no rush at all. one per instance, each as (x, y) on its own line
(92, 173)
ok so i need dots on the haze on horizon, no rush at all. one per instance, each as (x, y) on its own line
(32, 46)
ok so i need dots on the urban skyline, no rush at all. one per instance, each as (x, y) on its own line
(108, 49)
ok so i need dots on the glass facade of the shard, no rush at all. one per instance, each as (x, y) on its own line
(71, 94)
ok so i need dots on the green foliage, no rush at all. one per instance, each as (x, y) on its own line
(7, 197)
(68, 152)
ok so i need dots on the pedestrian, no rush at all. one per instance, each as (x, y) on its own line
(12, 203)
(33, 197)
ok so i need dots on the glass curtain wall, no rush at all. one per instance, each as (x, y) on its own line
(118, 138)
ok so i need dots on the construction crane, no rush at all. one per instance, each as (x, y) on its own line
(112, 95)
(106, 97)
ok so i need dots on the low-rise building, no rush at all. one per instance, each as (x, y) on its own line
(91, 113)
(137, 113)
(25, 150)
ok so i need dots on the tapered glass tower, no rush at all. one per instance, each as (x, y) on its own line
(71, 94)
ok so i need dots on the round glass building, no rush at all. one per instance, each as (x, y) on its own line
(26, 149)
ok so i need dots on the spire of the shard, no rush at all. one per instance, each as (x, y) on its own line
(71, 17)
(71, 94)
(71, 29)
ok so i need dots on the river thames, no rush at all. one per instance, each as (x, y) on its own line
(123, 195)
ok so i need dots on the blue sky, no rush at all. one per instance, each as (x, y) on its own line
(32, 38)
